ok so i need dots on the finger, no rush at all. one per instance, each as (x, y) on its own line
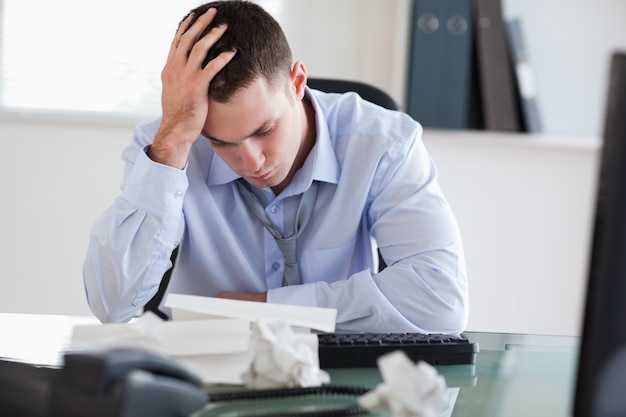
(182, 28)
(189, 37)
(201, 48)
(218, 63)
(179, 33)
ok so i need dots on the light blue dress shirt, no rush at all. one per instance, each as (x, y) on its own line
(378, 187)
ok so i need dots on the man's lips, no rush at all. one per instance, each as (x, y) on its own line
(262, 177)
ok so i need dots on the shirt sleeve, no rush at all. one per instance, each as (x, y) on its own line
(131, 242)
(424, 287)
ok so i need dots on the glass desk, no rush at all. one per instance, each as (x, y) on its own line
(521, 375)
(514, 375)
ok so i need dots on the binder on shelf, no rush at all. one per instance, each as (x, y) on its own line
(526, 86)
(440, 63)
(500, 108)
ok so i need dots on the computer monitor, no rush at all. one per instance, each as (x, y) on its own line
(601, 375)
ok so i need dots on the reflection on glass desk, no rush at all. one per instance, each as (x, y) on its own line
(521, 375)
(514, 375)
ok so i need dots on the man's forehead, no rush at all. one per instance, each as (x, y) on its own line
(232, 123)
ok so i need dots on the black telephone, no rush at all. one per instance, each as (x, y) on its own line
(130, 383)
(108, 383)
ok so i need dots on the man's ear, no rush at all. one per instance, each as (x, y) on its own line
(298, 78)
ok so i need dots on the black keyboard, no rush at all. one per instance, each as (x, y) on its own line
(360, 350)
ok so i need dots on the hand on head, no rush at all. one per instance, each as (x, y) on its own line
(184, 98)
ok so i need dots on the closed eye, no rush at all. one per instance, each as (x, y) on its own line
(217, 143)
(266, 132)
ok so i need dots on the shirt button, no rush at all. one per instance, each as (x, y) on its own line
(274, 209)
(178, 195)
(275, 266)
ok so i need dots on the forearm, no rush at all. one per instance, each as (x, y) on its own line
(128, 253)
(131, 242)
(167, 152)
(406, 297)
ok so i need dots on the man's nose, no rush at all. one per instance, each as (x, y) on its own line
(251, 156)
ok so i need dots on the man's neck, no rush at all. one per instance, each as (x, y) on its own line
(307, 141)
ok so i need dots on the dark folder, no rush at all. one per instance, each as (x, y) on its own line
(440, 63)
(526, 86)
(495, 71)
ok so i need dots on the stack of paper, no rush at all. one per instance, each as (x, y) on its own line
(226, 341)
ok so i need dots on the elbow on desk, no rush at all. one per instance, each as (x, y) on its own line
(438, 305)
(106, 308)
(106, 314)
(449, 316)
(109, 314)
(451, 321)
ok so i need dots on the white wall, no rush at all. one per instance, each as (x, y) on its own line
(364, 40)
(56, 178)
(525, 209)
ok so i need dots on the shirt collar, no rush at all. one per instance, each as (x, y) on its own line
(320, 165)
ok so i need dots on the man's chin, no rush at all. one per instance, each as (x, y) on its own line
(269, 182)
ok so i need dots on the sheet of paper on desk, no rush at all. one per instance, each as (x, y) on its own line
(189, 307)
(216, 350)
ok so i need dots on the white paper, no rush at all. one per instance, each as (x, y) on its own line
(226, 341)
(198, 337)
(283, 358)
(190, 307)
(219, 369)
(408, 389)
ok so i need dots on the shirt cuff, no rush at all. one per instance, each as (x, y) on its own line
(156, 188)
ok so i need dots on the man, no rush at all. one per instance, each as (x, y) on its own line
(338, 175)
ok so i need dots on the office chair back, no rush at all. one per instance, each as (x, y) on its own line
(366, 91)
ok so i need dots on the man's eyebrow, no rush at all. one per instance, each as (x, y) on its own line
(212, 139)
(264, 126)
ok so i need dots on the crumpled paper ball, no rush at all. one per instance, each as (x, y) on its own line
(408, 389)
(283, 358)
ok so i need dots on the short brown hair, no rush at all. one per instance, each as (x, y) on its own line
(262, 48)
